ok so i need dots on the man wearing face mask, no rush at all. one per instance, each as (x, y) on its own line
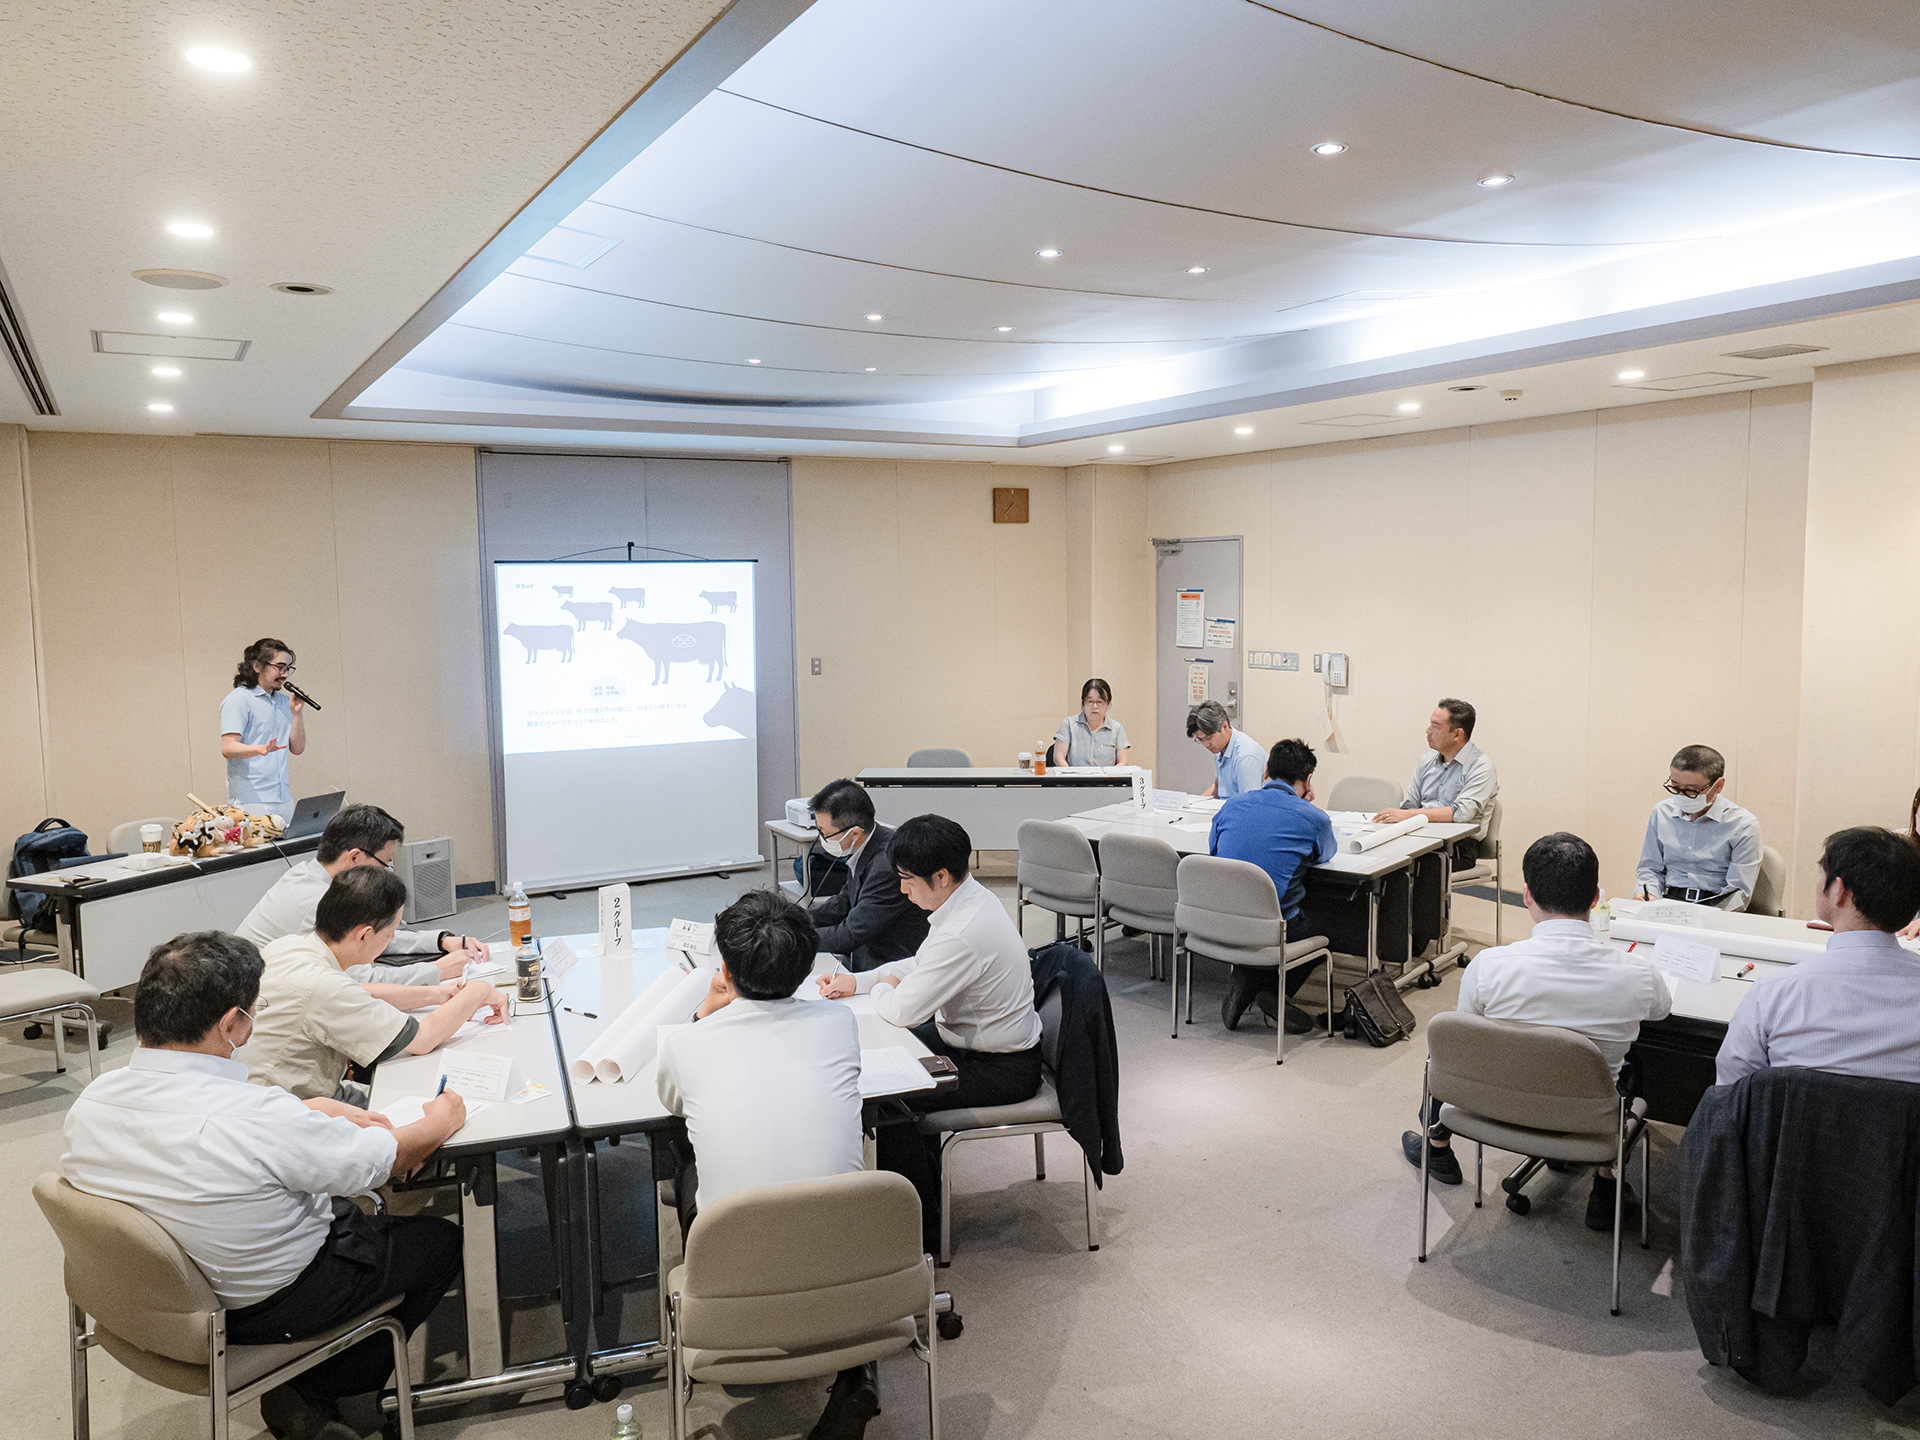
(869, 921)
(1700, 846)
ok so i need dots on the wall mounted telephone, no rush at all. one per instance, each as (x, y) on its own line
(1337, 669)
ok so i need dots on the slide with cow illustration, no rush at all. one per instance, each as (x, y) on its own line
(626, 685)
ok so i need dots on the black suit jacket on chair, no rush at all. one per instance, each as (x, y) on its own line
(870, 922)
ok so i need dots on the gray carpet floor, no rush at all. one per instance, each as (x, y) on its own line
(1256, 1274)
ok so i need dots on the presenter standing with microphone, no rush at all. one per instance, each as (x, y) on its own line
(260, 725)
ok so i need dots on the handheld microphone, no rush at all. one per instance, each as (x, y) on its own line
(293, 689)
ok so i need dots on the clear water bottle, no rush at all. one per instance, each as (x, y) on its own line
(626, 1425)
(519, 915)
(1602, 918)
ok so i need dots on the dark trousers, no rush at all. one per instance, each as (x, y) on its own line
(366, 1259)
(986, 1078)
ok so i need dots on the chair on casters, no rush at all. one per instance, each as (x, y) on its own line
(39, 993)
(1537, 1091)
(153, 1311)
(1139, 884)
(790, 1282)
(1368, 794)
(940, 760)
(1769, 894)
(1488, 865)
(1229, 911)
(1058, 873)
(1038, 1117)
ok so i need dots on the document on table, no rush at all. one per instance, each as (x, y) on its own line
(858, 1004)
(478, 1077)
(891, 1070)
(1192, 827)
(412, 1109)
(1693, 960)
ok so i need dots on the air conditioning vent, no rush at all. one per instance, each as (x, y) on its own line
(170, 347)
(1355, 422)
(1700, 380)
(1774, 352)
(427, 867)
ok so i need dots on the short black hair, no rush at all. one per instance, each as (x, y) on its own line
(1209, 717)
(364, 895)
(1563, 873)
(366, 828)
(768, 943)
(1882, 870)
(927, 844)
(847, 804)
(1291, 761)
(189, 982)
(1704, 760)
(1460, 714)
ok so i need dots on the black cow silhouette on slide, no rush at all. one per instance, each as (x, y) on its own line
(599, 611)
(544, 637)
(716, 598)
(668, 645)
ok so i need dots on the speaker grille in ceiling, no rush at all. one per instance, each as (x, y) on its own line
(181, 279)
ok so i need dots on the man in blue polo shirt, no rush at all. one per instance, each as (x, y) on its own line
(1237, 756)
(1280, 829)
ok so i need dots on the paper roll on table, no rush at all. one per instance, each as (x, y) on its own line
(1729, 942)
(1358, 842)
(627, 1046)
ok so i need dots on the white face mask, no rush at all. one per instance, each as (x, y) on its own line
(1693, 806)
(839, 846)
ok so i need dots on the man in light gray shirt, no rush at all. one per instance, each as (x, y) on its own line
(1454, 784)
(1700, 846)
(1850, 1011)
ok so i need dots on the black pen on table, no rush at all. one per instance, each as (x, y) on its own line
(583, 1014)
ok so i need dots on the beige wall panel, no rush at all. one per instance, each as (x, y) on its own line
(411, 702)
(119, 740)
(23, 788)
(1080, 575)
(253, 540)
(1860, 696)
(1122, 618)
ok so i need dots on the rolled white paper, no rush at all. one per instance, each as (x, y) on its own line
(1730, 942)
(1362, 841)
(581, 1067)
(635, 1049)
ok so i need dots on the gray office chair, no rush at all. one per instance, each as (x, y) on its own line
(1058, 873)
(1038, 1117)
(940, 760)
(41, 993)
(1769, 888)
(1488, 865)
(1229, 911)
(1367, 793)
(1139, 885)
(125, 839)
(1537, 1091)
(153, 1311)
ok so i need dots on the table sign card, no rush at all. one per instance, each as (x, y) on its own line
(616, 922)
(690, 937)
(556, 959)
(1142, 791)
(1693, 960)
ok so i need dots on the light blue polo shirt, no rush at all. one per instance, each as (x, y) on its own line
(259, 780)
(1241, 767)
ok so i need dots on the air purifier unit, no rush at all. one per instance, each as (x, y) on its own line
(427, 867)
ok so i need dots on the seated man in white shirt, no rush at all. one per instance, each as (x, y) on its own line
(967, 993)
(1562, 976)
(769, 1084)
(1700, 846)
(358, 835)
(1852, 1010)
(253, 1184)
(314, 1020)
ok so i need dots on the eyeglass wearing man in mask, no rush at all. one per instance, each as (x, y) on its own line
(869, 922)
(1700, 846)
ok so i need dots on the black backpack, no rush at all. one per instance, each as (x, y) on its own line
(40, 850)
(1374, 1009)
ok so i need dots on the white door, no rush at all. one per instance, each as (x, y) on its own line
(1210, 567)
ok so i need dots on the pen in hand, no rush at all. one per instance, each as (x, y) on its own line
(443, 1086)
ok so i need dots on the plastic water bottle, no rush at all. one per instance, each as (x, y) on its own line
(626, 1424)
(1602, 918)
(519, 915)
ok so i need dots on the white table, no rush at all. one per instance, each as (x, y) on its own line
(990, 801)
(802, 836)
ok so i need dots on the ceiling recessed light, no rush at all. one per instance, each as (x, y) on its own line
(1409, 407)
(1116, 449)
(160, 407)
(1003, 329)
(190, 229)
(1049, 253)
(1329, 147)
(1493, 182)
(753, 362)
(876, 317)
(300, 287)
(165, 370)
(1243, 429)
(1196, 270)
(174, 317)
(1463, 389)
(211, 57)
(872, 368)
(1631, 375)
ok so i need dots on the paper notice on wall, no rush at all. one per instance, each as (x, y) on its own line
(1197, 681)
(1219, 634)
(1189, 618)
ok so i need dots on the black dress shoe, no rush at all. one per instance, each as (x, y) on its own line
(854, 1401)
(1243, 988)
(1442, 1165)
(1600, 1205)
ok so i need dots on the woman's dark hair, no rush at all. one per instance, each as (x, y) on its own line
(365, 895)
(768, 943)
(259, 653)
(1096, 687)
(927, 844)
(1563, 873)
(1882, 870)
(189, 982)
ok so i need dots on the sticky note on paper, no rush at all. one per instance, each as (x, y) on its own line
(1692, 960)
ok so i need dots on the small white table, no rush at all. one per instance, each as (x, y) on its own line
(990, 801)
(802, 836)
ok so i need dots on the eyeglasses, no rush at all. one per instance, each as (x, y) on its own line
(377, 860)
(1687, 792)
(835, 834)
(283, 669)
